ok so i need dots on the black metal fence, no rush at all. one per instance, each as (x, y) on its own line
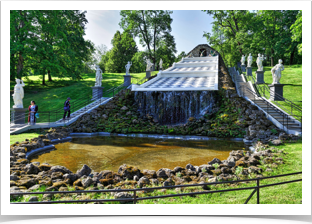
(135, 199)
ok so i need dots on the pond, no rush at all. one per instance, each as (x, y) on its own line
(110, 152)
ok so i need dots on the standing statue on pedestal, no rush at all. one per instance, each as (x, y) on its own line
(249, 60)
(148, 65)
(18, 94)
(128, 68)
(98, 76)
(259, 63)
(243, 60)
(277, 72)
(160, 64)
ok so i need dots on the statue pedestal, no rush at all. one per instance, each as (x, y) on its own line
(127, 80)
(148, 74)
(249, 71)
(97, 92)
(276, 92)
(260, 77)
(18, 115)
(243, 68)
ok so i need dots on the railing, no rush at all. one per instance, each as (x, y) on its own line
(287, 119)
(134, 198)
(295, 110)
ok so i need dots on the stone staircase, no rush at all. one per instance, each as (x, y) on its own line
(14, 128)
(283, 119)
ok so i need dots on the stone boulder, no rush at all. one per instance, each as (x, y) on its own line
(85, 170)
(215, 160)
(149, 173)
(86, 182)
(143, 181)
(128, 172)
(62, 169)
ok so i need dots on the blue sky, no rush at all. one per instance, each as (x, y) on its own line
(188, 27)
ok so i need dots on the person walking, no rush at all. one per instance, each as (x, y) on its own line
(33, 108)
(66, 109)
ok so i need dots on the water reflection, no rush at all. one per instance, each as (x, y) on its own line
(109, 152)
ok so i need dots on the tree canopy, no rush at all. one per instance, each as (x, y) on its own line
(48, 42)
(268, 32)
(153, 28)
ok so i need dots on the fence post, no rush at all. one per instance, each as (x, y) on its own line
(134, 196)
(258, 191)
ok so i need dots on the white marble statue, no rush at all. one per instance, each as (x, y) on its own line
(243, 60)
(249, 60)
(98, 76)
(18, 94)
(160, 64)
(259, 62)
(128, 67)
(277, 72)
(149, 65)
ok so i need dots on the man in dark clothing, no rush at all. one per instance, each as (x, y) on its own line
(66, 109)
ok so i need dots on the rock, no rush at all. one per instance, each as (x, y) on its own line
(47, 197)
(230, 163)
(254, 169)
(128, 172)
(143, 181)
(33, 198)
(14, 177)
(57, 175)
(35, 187)
(212, 180)
(85, 170)
(190, 167)
(31, 169)
(154, 181)
(276, 142)
(161, 173)
(86, 182)
(178, 169)
(71, 177)
(119, 195)
(215, 160)
(149, 173)
(27, 182)
(124, 108)
(168, 182)
(44, 167)
(62, 169)
(136, 178)
(100, 186)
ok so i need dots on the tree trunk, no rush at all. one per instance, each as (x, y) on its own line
(43, 78)
(272, 58)
(49, 75)
(19, 67)
(292, 55)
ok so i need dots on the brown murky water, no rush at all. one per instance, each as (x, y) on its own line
(108, 153)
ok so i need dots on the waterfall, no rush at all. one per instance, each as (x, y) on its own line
(175, 107)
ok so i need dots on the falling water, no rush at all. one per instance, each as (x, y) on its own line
(175, 107)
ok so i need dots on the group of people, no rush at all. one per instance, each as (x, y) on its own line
(33, 111)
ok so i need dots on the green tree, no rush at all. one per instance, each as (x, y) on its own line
(138, 62)
(152, 27)
(49, 42)
(124, 47)
(180, 56)
(296, 31)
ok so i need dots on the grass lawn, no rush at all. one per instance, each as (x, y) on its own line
(52, 95)
(292, 78)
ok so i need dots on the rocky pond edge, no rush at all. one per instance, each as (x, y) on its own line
(26, 176)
